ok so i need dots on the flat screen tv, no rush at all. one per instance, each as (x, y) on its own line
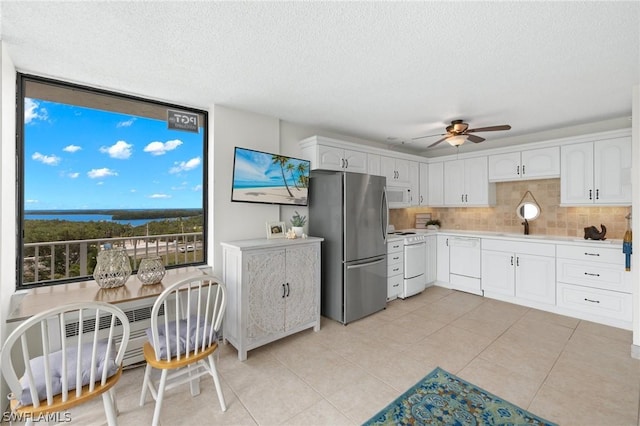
(261, 177)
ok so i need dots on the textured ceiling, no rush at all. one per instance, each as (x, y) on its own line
(372, 70)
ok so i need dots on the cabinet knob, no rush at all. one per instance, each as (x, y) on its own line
(523, 170)
(518, 170)
(591, 274)
(591, 194)
(283, 291)
(591, 301)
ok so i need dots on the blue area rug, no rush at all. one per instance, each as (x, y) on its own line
(441, 398)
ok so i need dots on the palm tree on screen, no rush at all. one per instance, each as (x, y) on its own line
(281, 160)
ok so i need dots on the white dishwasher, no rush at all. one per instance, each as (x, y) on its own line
(464, 264)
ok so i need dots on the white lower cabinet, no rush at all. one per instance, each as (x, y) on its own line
(432, 255)
(520, 270)
(593, 284)
(273, 290)
(395, 268)
(442, 261)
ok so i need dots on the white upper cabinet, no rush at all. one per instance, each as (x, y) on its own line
(396, 170)
(435, 184)
(414, 183)
(327, 157)
(543, 163)
(596, 172)
(373, 164)
(424, 184)
(466, 183)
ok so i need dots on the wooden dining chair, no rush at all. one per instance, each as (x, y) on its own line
(64, 357)
(185, 327)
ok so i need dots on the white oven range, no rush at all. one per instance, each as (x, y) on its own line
(415, 259)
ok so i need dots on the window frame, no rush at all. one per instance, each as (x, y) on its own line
(21, 81)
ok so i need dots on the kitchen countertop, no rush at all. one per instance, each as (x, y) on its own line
(514, 236)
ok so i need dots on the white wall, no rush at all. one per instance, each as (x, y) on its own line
(7, 195)
(229, 221)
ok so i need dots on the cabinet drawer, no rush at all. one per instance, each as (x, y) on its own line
(394, 269)
(393, 258)
(612, 255)
(603, 303)
(394, 246)
(594, 274)
(394, 286)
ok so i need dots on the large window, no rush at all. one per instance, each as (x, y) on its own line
(99, 170)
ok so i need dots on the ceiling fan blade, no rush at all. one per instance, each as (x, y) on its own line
(427, 136)
(474, 138)
(437, 142)
(490, 128)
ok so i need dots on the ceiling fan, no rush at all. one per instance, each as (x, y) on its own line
(458, 132)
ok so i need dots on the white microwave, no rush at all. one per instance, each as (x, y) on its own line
(398, 196)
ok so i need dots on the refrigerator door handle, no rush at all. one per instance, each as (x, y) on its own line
(362, 265)
(384, 214)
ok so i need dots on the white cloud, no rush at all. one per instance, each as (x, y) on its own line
(71, 148)
(133, 190)
(159, 196)
(32, 111)
(126, 123)
(197, 188)
(73, 175)
(120, 150)
(101, 173)
(160, 148)
(185, 166)
(31, 201)
(50, 160)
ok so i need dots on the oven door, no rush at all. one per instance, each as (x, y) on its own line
(415, 260)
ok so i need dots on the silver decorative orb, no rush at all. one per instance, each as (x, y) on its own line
(151, 271)
(112, 268)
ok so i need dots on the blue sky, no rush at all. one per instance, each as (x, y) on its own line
(82, 158)
(256, 169)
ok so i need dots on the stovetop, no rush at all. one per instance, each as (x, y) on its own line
(401, 233)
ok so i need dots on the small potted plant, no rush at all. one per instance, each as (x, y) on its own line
(297, 223)
(433, 224)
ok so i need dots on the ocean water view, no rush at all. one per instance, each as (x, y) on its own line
(89, 218)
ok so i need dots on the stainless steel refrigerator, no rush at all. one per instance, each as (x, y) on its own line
(350, 211)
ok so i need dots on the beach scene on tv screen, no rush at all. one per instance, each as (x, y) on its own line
(269, 178)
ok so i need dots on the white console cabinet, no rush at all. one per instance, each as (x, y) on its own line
(273, 289)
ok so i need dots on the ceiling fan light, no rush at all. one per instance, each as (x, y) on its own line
(457, 140)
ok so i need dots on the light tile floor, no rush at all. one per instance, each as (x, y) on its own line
(569, 371)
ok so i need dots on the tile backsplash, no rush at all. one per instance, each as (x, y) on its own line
(553, 219)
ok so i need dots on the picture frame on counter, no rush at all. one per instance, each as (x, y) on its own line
(275, 230)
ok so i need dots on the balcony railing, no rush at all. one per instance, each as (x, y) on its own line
(63, 260)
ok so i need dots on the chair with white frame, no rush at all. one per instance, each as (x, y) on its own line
(185, 327)
(65, 356)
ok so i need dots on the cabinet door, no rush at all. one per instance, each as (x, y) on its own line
(388, 169)
(431, 259)
(454, 183)
(355, 161)
(540, 163)
(536, 278)
(424, 183)
(612, 171)
(576, 174)
(373, 165)
(414, 183)
(301, 286)
(498, 275)
(329, 158)
(403, 172)
(266, 292)
(435, 192)
(505, 167)
(442, 268)
(476, 181)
